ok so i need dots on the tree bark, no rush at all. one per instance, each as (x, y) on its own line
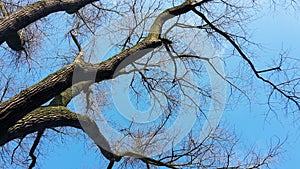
(33, 12)
(57, 116)
(31, 98)
(39, 119)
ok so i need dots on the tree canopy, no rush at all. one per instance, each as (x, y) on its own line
(68, 67)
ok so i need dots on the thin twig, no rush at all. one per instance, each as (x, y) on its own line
(33, 148)
(237, 47)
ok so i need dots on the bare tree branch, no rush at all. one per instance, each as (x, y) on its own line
(31, 13)
(237, 47)
(33, 148)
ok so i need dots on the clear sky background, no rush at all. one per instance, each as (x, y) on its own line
(274, 31)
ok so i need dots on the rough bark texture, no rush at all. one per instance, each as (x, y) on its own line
(31, 13)
(56, 116)
(30, 99)
(22, 114)
(17, 107)
(41, 118)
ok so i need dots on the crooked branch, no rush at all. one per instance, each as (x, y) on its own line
(237, 47)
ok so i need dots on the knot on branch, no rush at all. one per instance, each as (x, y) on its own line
(166, 41)
(15, 41)
(110, 156)
(73, 8)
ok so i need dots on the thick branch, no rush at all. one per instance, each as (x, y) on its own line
(170, 13)
(65, 97)
(17, 107)
(27, 100)
(33, 12)
(57, 116)
(14, 40)
(39, 119)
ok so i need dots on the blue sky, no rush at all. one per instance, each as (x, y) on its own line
(274, 31)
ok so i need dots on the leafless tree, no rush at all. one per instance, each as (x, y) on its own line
(45, 66)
